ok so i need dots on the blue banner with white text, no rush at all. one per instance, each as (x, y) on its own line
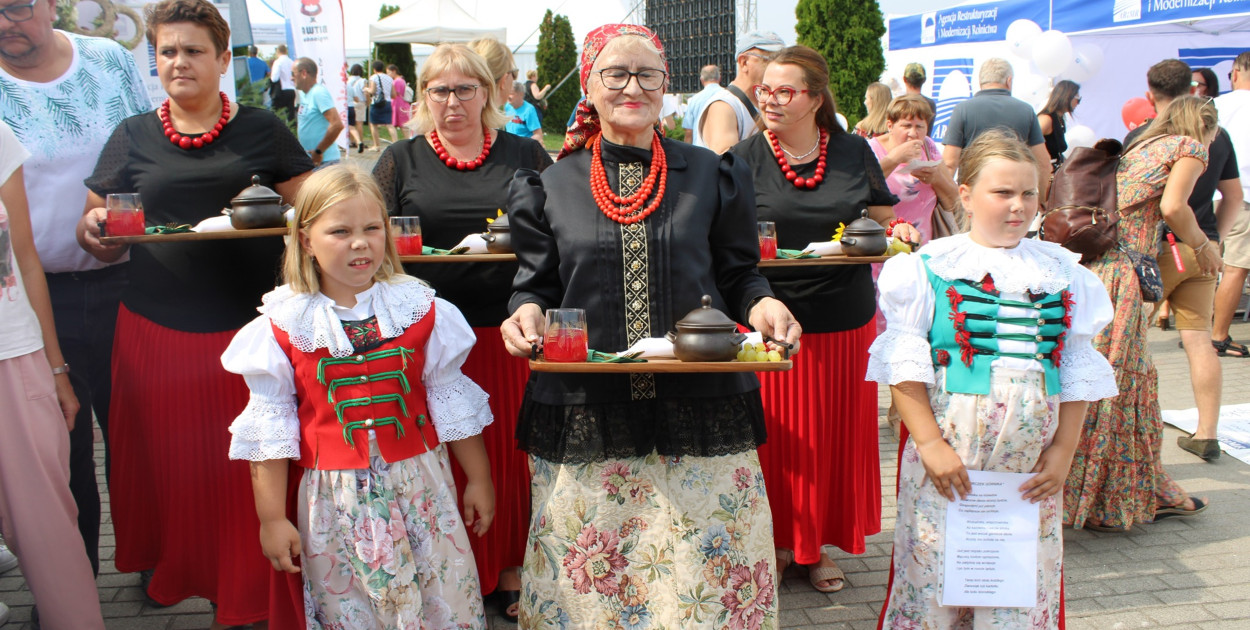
(968, 23)
(1075, 16)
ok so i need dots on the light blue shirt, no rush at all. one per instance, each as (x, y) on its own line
(522, 121)
(313, 105)
(694, 106)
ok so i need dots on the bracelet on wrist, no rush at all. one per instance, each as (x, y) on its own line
(64, 369)
(889, 231)
(1198, 249)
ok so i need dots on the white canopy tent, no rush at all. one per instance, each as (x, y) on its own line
(431, 22)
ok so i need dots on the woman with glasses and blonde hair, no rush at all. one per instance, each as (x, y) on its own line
(638, 469)
(821, 459)
(1117, 477)
(453, 174)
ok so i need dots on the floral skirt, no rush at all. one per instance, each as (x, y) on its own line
(1003, 431)
(649, 542)
(385, 548)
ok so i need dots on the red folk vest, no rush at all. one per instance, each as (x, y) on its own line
(341, 399)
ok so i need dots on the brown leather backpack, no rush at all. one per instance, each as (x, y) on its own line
(1081, 208)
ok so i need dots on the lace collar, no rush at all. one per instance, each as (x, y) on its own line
(311, 321)
(1033, 265)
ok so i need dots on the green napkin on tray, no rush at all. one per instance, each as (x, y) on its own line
(434, 251)
(795, 253)
(167, 229)
(594, 356)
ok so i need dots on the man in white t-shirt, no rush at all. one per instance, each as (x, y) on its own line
(1234, 112)
(63, 96)
(709, 77)
(284, 83)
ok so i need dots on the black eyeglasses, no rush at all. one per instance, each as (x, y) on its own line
(463, 93)
(19, 12)
(783, 94)
(649, 79)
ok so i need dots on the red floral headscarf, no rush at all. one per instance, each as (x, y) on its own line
(586, 121)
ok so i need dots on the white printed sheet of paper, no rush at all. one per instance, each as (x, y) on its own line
(991, 544)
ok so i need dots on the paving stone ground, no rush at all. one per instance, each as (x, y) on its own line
(1178, 573)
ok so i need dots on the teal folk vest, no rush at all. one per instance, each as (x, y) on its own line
(964, 335)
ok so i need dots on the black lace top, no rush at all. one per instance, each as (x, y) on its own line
(635, 282)
(453, 204)
(828, 298)
(208, 286)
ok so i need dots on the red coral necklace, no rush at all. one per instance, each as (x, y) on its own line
(460, 165)
(189, 143)
(809, 183)
(626, 209)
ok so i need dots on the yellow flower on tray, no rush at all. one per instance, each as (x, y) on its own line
(898, 246)
(837, 236)
(498, 213)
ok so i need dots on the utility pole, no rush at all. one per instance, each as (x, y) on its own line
(749, 18)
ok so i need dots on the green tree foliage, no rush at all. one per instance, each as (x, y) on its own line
(557, 54)
(398, 54)
(848, 33)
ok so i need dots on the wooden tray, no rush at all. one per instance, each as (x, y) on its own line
(454, 258)
(662, 366)
(194, 236)
(839, 259)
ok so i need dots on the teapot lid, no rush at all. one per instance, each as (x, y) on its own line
(706, 318)
(256, 194)
(863, 226)
(500, 221)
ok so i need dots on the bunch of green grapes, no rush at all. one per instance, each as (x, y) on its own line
(757, 352)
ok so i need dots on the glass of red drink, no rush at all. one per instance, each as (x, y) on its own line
(565, 341)
(125, 214)
(768, 240)
(407, 234)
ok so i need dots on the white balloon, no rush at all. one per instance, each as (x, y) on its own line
(1077, 71)
(1080, 136)
(1090, 56)
(1032, 89)
(1052, 52)
(1020, 36)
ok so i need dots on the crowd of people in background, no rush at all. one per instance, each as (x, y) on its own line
(400, 462)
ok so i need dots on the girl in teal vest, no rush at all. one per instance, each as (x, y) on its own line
(988, 355)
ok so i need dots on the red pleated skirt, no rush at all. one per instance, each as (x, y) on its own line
(503, 376)
(180, 506)
(821, 463)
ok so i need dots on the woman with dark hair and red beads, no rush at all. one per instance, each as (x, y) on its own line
(632, 470)
(821, 460)
(181, 509)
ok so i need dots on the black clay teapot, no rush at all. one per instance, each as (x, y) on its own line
(256, 207)
(863, 237)
(498, 236)
(706, 334)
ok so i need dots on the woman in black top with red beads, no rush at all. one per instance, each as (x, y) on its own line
(821, 460)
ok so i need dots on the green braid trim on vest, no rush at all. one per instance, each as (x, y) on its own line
(325, 362)
(342, 406)
(371, 378)
(370, 424)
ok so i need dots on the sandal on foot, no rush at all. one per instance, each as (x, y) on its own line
(506, 600)
(1179, 510)
(785, 558)
(1206, 449)
(818, 575)
(1226, 347)
(1106, 529)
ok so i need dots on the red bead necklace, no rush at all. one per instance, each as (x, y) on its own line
(626, 209)
(809, 183)
(188, 143)
(460, 165)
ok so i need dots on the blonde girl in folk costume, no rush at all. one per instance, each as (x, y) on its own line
(354, 371)
(988, 354)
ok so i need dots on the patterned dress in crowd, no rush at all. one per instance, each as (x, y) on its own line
(1117, 477)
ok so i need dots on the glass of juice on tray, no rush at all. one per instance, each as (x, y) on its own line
(565, 341)
(768, 240)
(125, 214)
(407, 234)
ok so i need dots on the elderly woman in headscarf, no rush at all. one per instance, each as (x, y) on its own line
(647, 490)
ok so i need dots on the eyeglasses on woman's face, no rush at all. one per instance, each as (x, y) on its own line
(783, 94)
(19, 12)
(463, 93)
(649, 79)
